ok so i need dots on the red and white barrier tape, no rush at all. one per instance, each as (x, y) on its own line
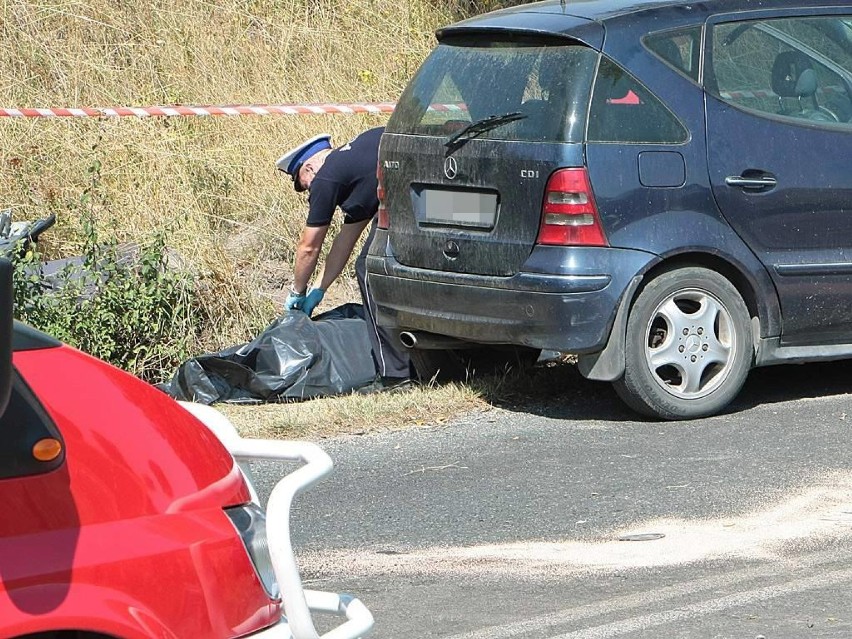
(279, 109)
(181, 110)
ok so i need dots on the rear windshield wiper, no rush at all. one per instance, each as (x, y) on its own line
(475, 129)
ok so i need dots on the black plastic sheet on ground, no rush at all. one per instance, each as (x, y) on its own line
(295, 357)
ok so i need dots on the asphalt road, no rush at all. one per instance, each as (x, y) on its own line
(508, 523)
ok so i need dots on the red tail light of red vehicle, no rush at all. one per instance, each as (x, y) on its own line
(569, 215)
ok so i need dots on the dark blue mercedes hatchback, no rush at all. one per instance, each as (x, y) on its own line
(662, 188)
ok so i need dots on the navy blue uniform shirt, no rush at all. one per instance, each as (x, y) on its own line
(347, 179)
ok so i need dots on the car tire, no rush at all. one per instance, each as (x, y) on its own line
(450, 365)
(688, 347)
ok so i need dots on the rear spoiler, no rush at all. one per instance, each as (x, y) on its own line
(524, 26)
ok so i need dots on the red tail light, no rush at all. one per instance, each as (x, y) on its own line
(569, 215)
(383, 221)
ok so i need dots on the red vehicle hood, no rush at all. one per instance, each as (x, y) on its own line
(131, 451)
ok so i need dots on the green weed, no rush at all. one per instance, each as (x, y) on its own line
(121, 303)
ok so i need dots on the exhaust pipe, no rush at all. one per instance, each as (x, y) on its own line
(431, 341)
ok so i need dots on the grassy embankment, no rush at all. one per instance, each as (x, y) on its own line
(208, 183)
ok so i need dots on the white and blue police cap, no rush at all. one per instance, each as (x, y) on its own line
(293, 160)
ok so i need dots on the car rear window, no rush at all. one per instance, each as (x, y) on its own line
(467, 80)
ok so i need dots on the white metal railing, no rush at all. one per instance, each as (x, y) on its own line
(298, 602)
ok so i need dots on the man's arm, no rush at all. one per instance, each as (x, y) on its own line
(340, 251)
(307, 255)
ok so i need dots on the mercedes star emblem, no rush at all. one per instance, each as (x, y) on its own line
(451, 168)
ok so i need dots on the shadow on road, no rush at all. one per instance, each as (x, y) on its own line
(557, 391)
(560, 392)
(774, 384)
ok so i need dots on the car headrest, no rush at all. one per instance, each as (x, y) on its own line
(793, 75)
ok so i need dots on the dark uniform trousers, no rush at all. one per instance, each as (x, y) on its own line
(389, 354)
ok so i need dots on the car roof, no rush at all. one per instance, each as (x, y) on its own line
(604, 11)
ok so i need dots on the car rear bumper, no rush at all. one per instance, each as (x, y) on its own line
(563, 299)
(299, 604)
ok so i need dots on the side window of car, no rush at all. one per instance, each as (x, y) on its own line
(799, 68)
(680, 49)
(623, 110)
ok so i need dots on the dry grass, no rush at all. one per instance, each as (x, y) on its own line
(356, 414)
(214, 52)
(412, 407)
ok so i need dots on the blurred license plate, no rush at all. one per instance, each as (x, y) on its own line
(460, 208)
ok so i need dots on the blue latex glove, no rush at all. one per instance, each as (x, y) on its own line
(312, 300)
(295, 302)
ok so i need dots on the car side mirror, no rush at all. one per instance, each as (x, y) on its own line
(6, 324)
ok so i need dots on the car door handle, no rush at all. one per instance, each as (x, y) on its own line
(751, 183)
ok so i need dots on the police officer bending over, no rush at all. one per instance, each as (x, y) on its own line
(344, 177)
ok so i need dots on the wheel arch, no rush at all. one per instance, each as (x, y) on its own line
(744, 284)
(759, 296)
